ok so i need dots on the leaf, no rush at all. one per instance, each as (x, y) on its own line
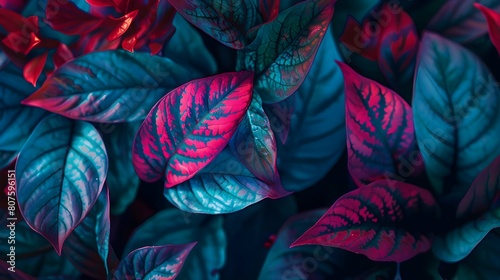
(280, 117)
(156, 262)
(91, 87)
(16, 121)
(460, 21)
(457, 117)
(122, 180)
(63, 164)
(187, 48)
(480, 207)
(87, 247)
(380, 133)
(10, 272)
(481, 263)
(222, 20)
(246, 258)
(255, 145)
(223, 186)
(493, 20)
(188, 127)
(317, 134)
(284, 49)
(34, 254)
(385, 221)
(308, 262)
(398, 49)
(6, 158)
(208, 256)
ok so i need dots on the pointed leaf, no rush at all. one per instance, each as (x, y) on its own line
(88, 245)
(63, 164)
(481, 263)
(457, 115)
(156, 262)
(110, 86)
(380, 133)
(16, 121)
(284, 48)
(190, 126)
(480, 207)
(222, 20)
(460, 21)
(398, 51)
(122, 180)
(255, 145)
(66, 17)
(385, 221)
(317, 134)
(208, 256)
(329, 263)
(223, 186)
(34, 68)
(493, 19)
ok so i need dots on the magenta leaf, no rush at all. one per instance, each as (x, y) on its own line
(398, 47)
(460, 21)
(223, 186)
(255, 145)
(190, 126)
(110, 86)
(87, 247)
(493, 19)
(284, 49)
(480, 209)
(380, 133)
(156, 262)
(385, 221)
(63, 164)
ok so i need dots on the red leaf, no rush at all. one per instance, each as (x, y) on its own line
(13, 5)
(269, 9)
(62, 55)
(34, 68)
(13, 22)
(493, 19)
(162, 31)
(484, 193)
(120, 25)
(69, 19)
(385, 221)
(357, 40)
(190, 126)
(380, 132)
(21, 42)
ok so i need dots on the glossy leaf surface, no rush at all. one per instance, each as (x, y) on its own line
(156, 262)
(209, 254)
(190, 126)
(63, 164)
(110, 86)
(380, 132)
(456, 107)
(385, 221)
(284, 49)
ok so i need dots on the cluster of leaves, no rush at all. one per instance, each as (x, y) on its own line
(372, 127)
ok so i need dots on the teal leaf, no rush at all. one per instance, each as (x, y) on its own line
(6, 158)
(481, 263)
(456, 106)
(63, 164)
(207, 256)
(317, 135)
(110, 86)
(284, 48)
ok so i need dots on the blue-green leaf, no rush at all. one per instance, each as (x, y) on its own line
(173, 226)
(60, 172)
(110, 86)
(456, 107)
(317, 134)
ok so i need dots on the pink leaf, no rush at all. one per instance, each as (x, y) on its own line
(493, 19)
(34, 68)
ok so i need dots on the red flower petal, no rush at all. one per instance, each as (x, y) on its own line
(34, 68)
(493, 19)
(18, 42)
(69, 19)
(119, 25)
